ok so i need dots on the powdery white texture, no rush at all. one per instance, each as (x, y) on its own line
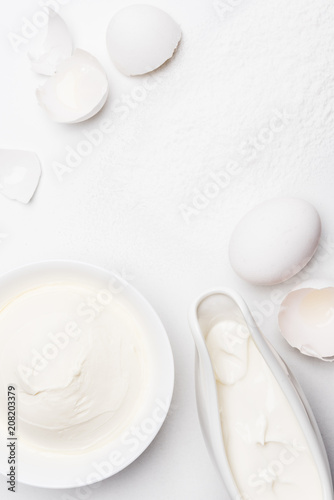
(120, 207)
(226, 83)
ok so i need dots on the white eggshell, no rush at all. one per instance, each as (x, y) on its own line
(20, 172)
(77, 91)
(275, 240)
(141, 38)
(306, 319)
(51, 46)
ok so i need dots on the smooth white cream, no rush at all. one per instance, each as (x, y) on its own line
(77, 358)
(265, 445)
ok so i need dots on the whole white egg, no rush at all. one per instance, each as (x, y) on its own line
(275, 240)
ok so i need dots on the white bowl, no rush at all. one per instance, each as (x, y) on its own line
(38, 468)
(206, 308)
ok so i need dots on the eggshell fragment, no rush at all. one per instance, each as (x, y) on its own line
(77, 91)
(141, 38)
(20, 172)
(51, 46)
(275, 240)
(306, 319)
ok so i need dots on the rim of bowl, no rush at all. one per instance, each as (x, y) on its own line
(60, 471)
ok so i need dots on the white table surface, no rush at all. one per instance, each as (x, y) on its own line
(128, 219)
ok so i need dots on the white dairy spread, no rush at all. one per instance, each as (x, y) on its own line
(266, 448)
(76, 356)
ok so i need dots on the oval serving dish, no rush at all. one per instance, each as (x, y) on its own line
(209, 309)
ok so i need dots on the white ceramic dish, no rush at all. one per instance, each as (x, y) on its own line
(218, 303)
(38, 468)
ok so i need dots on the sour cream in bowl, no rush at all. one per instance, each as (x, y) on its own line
(89, 365)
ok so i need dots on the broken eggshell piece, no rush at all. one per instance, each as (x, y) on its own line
(306, 319)
(141, 38)
(20, 172)
(52, 45)
(77, 91)
(222, 406)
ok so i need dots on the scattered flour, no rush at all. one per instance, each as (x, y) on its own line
(214, 101)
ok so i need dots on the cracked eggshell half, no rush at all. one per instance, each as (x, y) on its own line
(141, 38)
(20, 172)
(275, 240)
(306, 319)
(51, 46)
(77, 91)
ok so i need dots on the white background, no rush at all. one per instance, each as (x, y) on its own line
(120, 208)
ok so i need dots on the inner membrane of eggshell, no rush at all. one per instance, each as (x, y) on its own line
(306, 321)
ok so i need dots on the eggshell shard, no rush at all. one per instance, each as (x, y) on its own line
(77, 91)
(275, 240)
(306, 319)
(20, 172)
(51, 46)
(141, 38)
